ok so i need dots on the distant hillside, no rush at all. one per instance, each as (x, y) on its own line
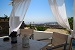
(51, 23)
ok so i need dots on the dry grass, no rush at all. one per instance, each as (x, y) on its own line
(54, 30)
(58, 30)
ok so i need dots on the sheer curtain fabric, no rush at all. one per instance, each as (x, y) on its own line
(18, 13)
(59, 12)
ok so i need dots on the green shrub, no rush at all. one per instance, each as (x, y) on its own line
(40, 28)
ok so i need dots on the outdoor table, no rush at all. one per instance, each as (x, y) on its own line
(34, 45)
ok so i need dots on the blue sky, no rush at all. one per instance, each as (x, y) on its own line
(38, 12)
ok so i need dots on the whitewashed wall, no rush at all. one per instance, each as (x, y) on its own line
(42, 34)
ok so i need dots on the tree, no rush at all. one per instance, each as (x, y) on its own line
(5, 16)
(71, 22)
(41, 28)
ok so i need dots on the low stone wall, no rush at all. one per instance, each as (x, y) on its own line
(57, 30)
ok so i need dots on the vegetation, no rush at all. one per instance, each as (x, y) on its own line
(5, 16)
(4, 26)
(41, 28)
(71, 22)
(30, 25)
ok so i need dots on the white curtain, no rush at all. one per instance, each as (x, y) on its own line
(18, 13)
(74, 21)
(59, 12)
